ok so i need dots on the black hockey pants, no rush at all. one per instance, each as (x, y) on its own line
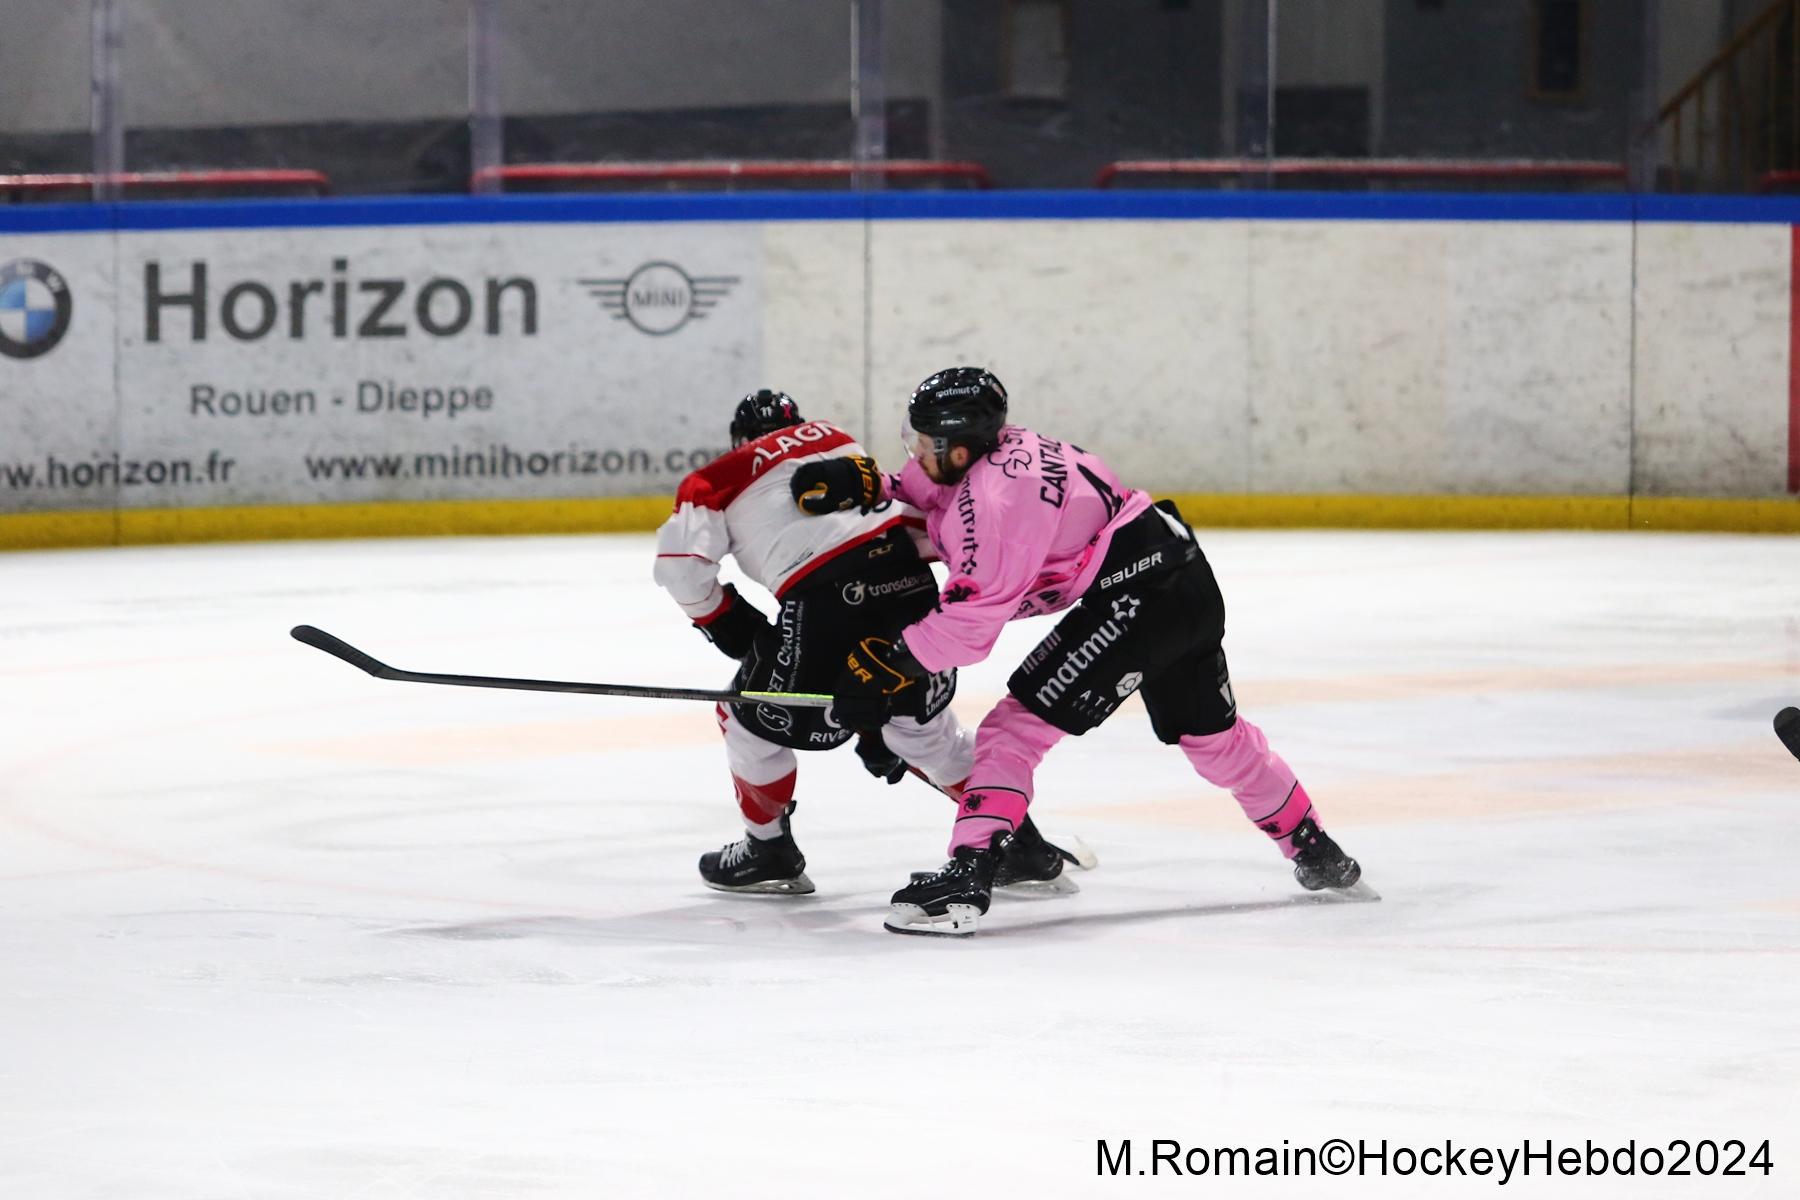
(878, 589)
(1153, 622)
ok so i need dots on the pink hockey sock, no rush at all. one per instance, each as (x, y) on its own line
(1010, 743)
(1265, 787)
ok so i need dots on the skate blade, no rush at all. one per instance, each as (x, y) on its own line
(799, 885)
(1039, 889)
(1357, 893)
(959, 921)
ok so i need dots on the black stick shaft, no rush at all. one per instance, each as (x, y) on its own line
(339, 648)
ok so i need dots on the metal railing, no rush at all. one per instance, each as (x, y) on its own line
(725, 173)
(90, 185)
(1737, 122)
(1260, 172)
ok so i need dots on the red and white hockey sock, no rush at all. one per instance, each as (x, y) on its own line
(762, 804)
(762, 775)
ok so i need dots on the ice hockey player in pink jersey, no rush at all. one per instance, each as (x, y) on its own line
(837, 578)
(1030, 525)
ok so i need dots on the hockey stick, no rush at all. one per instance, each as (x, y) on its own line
(337, 647)
(1787, 728)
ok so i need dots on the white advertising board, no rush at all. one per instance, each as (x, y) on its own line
(1129, 337)
(1282, 356)
(297, 366)
(176, 369)
(1712, 363)
(1441, 357)
(59, 412)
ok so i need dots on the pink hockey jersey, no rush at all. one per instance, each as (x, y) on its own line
(1023, 534)
(740, 504)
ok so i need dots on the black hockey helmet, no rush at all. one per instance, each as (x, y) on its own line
(763, 411)
(960, 406)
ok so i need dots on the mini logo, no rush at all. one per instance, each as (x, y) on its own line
(1128, 683)
(774, 717)
(1125, 607)
(34, 308)
(659, 297)
(855, 592)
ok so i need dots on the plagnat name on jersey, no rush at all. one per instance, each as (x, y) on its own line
(772, 448)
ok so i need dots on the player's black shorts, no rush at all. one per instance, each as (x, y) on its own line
(1152, 622)
(875, 590)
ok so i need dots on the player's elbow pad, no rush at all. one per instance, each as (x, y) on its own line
(735, 630)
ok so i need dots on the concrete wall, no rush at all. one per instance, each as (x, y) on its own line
(1458, 83)
(193, 63)
(44, 67)
(1288, 356)
(1713, 374)
(1144, 78)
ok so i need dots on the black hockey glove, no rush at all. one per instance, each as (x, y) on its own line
(878, 760)
(736, 629)
(875, 672)
(837, 484)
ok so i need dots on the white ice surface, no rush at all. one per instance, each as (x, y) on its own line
(272, 928)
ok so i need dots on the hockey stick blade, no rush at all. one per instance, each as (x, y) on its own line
(1078, 853)
(1787, 728)
(338, 648)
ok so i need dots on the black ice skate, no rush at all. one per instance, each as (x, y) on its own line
(1032, 865)
(1321, 864)
(950, 900)
(754, 865)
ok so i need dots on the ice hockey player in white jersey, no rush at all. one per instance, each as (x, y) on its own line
(838, 579)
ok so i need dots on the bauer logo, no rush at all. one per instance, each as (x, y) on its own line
(659, 297)
(35, 306)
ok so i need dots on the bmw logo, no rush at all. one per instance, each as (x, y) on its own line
(34, 308)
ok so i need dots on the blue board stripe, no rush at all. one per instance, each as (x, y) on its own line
(898, 206)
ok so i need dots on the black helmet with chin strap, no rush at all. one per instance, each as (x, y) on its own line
(763, 411)
(960, 406)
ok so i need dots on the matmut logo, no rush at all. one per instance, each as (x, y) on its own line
(659, 297)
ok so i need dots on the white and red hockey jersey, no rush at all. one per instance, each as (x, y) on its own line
(741, 504)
